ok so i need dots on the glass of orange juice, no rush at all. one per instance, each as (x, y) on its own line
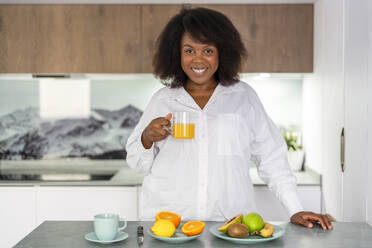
(183, 125)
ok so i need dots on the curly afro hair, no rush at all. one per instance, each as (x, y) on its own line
(205, 26)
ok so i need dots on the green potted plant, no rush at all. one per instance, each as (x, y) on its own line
(296, 154)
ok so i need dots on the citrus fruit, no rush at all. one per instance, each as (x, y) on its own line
(163, 228)
(192, 228)
(165, 215)
(254, 222)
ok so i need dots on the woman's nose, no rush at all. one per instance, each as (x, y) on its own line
(198, 55)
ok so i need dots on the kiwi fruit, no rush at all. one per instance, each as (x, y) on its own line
(238, 230)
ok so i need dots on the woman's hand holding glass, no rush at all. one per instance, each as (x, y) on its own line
(157, 130)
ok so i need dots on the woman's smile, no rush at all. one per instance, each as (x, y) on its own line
(199, 71)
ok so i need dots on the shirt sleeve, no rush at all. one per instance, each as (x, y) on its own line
(139, 158)
(269, 152)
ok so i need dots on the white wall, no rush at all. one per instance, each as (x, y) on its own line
(115, 94)
(18, 94)
(281, 97)
(312, 121)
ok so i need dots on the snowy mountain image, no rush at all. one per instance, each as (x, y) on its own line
(24, 135)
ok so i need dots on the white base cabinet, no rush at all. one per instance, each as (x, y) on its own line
(24, 208)
(82, 203)
(271, 209)
(17, 214)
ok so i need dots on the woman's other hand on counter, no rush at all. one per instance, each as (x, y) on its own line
(307, 219)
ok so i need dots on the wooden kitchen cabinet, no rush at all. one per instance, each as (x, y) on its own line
(154, 18)
(70, 38)
(121, 38)
(278, 38)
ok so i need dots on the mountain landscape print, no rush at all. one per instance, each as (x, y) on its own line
(25, 136)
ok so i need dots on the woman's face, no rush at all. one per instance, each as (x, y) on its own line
(198, 61)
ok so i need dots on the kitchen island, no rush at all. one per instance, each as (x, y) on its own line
(66, 234)
(33, 202)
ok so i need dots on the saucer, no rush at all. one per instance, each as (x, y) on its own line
(119, 237)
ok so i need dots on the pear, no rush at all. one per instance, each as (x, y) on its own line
(254, 222)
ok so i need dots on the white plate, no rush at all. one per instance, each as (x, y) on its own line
(254, 239)
(119, 237)
(177, 238)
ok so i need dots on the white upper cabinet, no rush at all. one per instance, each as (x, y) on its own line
(341, 65)
(356, 102)
(331, 70)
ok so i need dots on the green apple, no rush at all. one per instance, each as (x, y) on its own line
(254, 222)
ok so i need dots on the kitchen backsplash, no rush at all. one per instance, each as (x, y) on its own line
(116, 105)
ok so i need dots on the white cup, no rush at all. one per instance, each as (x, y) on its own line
(106, 226)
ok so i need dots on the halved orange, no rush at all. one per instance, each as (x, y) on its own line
(165, 215)
(192, 228)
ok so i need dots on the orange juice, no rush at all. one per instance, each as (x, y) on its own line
(184, 131)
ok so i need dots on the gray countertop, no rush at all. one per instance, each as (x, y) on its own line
(123, 175)
(66, 234)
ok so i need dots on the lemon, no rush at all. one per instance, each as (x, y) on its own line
(163, 228)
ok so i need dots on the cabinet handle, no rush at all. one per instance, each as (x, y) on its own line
(343, 150)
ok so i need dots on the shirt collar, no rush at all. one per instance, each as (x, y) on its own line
(176, 93)
(181, 95)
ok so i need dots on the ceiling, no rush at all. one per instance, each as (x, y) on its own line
(155, 1)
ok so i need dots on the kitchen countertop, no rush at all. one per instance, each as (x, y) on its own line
(66, 234)
(123, 175)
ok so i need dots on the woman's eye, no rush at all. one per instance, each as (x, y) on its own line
(189, 51)
(208, 51)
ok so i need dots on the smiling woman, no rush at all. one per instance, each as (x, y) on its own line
(198, 57)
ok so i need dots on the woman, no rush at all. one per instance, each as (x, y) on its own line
(198, 57)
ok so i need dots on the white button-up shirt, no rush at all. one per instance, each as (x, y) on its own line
(207, 177)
